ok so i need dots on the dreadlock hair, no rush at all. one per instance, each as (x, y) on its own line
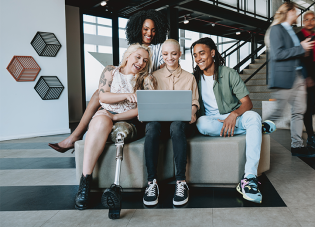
(135, 22)
(218, 60)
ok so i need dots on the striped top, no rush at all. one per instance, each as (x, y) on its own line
(157, 58)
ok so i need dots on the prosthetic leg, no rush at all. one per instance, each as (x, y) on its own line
(122, 132)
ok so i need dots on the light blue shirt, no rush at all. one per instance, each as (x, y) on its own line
(294, 37)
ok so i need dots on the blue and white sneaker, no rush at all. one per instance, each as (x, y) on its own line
(248, 187)
(268, 127)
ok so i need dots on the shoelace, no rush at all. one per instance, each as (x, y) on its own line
(180, 189)
(253, 182)
(150, 189)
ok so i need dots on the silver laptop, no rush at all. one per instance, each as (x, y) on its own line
(164, 105)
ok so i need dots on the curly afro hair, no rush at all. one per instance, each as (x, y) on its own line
(135, 22)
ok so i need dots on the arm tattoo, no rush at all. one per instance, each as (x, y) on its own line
(102, 90)
(149, 83)
(109, 68)
(103, 80)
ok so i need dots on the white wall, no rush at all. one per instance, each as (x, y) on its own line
(22, 112)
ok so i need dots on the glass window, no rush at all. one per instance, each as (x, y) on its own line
(104, 31)
(104, 21)
(97, 50)
(122, 33)
(89, 29)
(261, 7)
(122, 22)
(121, 53)
(90, 47)
(105, 49)
(88, 18)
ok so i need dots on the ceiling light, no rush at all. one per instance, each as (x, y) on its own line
(103, 3)
(238, 33)
(213, 24)
(185, 20)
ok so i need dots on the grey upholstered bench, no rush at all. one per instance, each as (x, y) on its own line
(133, 170)
(219, 160)
(211, 160)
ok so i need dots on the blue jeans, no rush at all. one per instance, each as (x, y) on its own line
(249, 123)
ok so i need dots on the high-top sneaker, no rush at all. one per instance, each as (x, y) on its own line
(151, 194)
(111, 199)
(248, 187)
(181, 194)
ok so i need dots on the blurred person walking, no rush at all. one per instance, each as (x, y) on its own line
(309, 63)
(287, 75)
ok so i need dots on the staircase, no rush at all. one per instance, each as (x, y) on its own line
(257, 85)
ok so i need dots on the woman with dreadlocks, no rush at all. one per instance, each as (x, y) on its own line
(149, 28)
(225, 109)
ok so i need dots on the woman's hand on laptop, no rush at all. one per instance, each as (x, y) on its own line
(131, 97)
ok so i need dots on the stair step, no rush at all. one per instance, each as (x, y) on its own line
(251, 71)
(255, 66)
(260, 60)
(258, 76)
(256, 82)
(262, 56)
(257, 104)
(260, 95)
(257, 88)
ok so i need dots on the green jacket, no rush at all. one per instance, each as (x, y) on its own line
(227, 92)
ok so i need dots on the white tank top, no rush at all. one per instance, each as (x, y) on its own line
(121, 84)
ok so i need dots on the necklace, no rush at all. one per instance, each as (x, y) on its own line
(171, 71)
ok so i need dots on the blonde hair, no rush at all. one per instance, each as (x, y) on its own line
(145, 71)
(279, 17)
(308, 12)
(173, 41)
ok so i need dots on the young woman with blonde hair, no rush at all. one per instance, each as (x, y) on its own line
(117, 97)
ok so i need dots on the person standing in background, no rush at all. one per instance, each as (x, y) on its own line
(309, 63)
(287, 74)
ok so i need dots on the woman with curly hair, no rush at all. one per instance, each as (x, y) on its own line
(146, 27)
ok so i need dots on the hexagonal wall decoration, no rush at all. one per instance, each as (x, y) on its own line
(23, 68)
(49, 87)
(46, 44)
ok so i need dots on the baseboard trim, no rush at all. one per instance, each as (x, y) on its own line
(24, 136)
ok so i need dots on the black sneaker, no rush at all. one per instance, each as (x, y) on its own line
(306, 152)
(111, 199)
(151, 194)
(181, 194)
(311, 141)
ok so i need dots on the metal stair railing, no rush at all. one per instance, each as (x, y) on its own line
(238, 66)
(225, 54)
(256, 71)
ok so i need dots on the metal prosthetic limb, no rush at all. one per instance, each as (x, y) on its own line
(119, 156)
(122, 132)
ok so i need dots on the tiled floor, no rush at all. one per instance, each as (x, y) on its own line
(37, 187)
